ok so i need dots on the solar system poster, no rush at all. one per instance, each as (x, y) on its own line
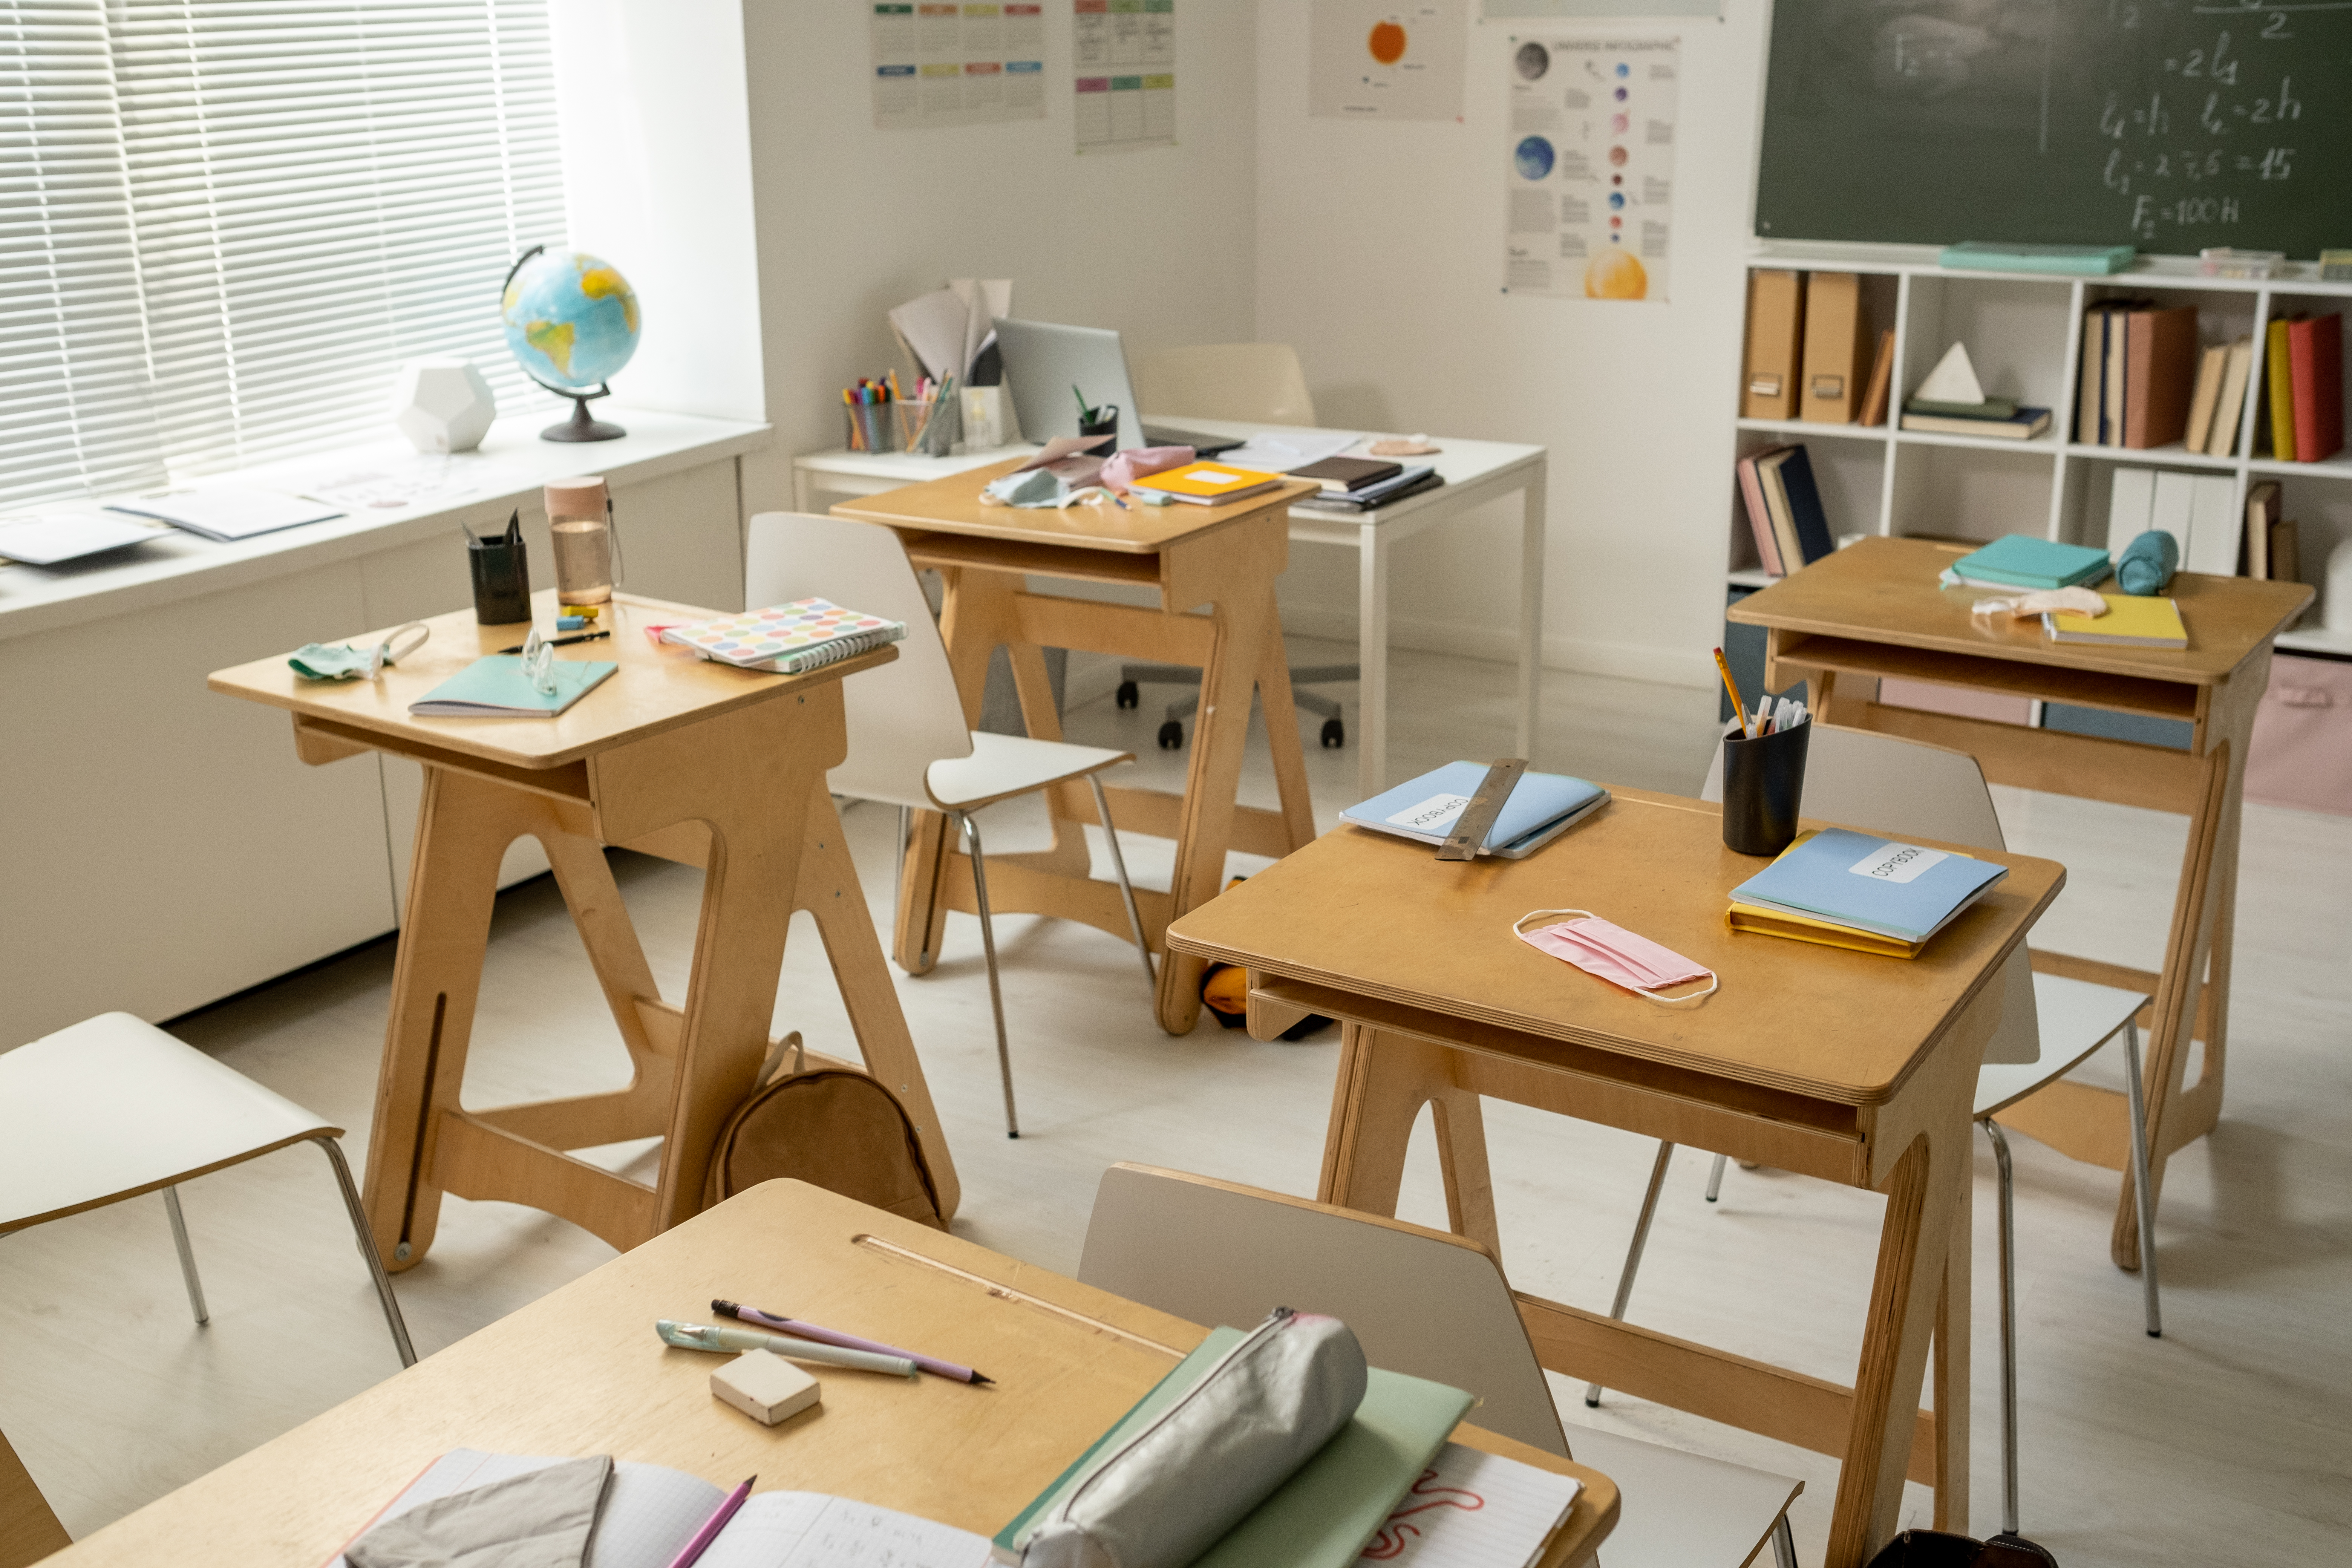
(1376, 59)
(1590, 172)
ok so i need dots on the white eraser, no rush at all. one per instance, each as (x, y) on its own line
(764, 1386)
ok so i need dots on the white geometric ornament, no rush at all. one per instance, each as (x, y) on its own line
(443, 405)
(1954, 379)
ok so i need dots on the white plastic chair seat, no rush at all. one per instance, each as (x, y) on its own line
(1678, 1508)
(114, 1107)
(2076, 1018)
(1002, 766)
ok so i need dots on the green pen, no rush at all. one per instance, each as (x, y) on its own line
(1085, 415)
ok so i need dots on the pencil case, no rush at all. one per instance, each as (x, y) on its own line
(1164, 1497)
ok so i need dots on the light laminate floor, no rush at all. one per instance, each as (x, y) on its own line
(2228, 1440)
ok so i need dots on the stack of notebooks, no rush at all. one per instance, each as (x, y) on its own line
(1205, 484)
(790, 639)
(2303, 360)
(1843, 889)
(2144, 382)
(2021, 561)
(1784, 508)
(1541, 807)
(1363, 484)
(1952, 401)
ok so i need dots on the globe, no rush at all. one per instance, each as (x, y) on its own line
(570, 318)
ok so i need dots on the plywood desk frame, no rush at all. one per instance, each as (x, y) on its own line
(1856, 1068)
(702, 763)
(1873, 612)
(1222, 557)
(580, 1371)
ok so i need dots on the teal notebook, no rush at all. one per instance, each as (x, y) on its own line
(1323, 1516)
(2082, 260)
(494, 687)
(2021, 561)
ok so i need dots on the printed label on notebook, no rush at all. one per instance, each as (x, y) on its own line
(1431, 813)
(1211, 477)
(1897, 862)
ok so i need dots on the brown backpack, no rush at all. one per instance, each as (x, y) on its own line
(832, 1129)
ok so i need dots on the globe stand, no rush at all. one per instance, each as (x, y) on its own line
(579, 426)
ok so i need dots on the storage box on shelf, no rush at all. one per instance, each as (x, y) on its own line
(2024, 334)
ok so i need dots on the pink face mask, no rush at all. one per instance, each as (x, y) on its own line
(1616, 954)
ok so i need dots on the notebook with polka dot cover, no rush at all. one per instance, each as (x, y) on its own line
(791, 639)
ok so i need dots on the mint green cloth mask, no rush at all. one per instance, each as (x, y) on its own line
(318, 661)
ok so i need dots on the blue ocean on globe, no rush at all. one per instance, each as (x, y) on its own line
(571, 319)
(1532, 157)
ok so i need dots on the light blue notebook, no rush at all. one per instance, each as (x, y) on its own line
(2024, 561)
(1542, 808)
(2082, 260)
(1882, 885)
(494, 687)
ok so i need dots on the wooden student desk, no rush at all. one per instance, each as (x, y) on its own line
(1224, 557)
(1841, 1065)
(580, 1371)
(695, 762)
(1874, 610)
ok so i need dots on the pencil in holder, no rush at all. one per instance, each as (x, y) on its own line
(930, 425)
(1763, 788)
(872, 426)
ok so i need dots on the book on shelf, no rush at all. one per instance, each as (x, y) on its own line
(2213, 520)
(2280, 383)
(2131, 621)
(2113, 367)
(2021, 425)
(2160, 365)
(2206, 400)
(1794, 500)
(1882, 378)
(1759, 516)
(1861, 884)
(2315, 349)
(2262, 511)
(2223, 440)
(1984, 408)
(2090, 405)
(1776, 321)
(2024, 561)
(1835, 341)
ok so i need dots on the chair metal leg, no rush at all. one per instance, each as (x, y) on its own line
(1126, 888)
(988, 947)
(392, 1318)
(187, 1257)
(2143, 1199)
(2008, 1325)
(1784, 1544)
(1633, 1252)
(1715, 1178)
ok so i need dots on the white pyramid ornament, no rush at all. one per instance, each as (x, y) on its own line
(1954, 379)
(443, 405)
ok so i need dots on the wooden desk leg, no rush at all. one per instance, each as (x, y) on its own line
(1282, 740)
(829, 890)
(1383, 1082)
(464, 826)
(1951, 1371)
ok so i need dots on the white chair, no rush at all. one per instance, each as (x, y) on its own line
(114, 1107)
(908, 744)
(1892, 785)
(1427, 1304)
(1265, 384)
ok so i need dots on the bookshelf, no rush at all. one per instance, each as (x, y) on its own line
(2024, 335)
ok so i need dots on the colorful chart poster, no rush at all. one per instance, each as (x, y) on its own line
(945, 62)
(1589, 199)
(1376, 59)
(1124, 63)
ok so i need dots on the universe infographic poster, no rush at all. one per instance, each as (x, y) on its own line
(1590, 173)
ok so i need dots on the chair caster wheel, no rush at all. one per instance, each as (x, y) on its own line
(1172, 735)
(1335, 734)
(1130, 695)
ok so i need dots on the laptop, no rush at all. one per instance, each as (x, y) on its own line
(1043, 360)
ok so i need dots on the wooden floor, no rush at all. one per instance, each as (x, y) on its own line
(2230, 1440)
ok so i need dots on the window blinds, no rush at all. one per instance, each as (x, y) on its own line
(282, 200)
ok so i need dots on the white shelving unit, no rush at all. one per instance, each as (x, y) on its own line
(2024, 335)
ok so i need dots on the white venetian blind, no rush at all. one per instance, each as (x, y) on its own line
(302, 195)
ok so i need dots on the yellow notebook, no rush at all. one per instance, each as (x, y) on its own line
(1207, 484)
(1829, 933)
(2130, 622)
(2281, 379)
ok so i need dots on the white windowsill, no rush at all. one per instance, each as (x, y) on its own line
(177, 565)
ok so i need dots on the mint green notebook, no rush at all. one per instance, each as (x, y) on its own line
(1323, 1516)
(494, 687)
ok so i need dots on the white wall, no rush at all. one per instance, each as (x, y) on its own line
(1379, 258)
(853, 220)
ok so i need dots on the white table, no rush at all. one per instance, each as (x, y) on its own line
(1475, 472)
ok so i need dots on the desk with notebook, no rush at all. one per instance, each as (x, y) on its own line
(578, 1372)
(1874, 611)
(675, 756)
(1845, 1065)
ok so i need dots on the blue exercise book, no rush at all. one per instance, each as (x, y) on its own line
(2080, 260)
(2024, 561)
(1541, 808)
(1882, 885)
(495, 686)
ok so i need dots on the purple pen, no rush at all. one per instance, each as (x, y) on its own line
(824, 1336)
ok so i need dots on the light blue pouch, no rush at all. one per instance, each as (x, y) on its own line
(1030, 487)
(2148, 564)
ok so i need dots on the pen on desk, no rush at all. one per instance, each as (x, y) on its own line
(1738, 707)
(932, 1365)
(712, 1526)
(702, 1337)
(561, 642)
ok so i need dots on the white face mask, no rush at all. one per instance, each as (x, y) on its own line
(1612, 953)
(316, 661)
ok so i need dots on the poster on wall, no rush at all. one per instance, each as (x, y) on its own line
(937, 63)
(1375, 60)
(1124, 65)
(1590, 166)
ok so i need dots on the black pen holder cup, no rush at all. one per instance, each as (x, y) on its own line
(1763, 787)
(501, 580)
(1099, 428)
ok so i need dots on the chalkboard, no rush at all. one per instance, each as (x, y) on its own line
(2165, 124)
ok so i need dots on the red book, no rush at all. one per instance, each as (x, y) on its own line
(2314, 358)
(1759, 521)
